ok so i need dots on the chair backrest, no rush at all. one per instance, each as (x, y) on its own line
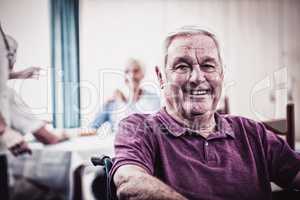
(285, 127)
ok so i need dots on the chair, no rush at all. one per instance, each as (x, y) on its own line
(284, 127)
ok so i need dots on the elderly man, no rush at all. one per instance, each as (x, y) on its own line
(187, 150)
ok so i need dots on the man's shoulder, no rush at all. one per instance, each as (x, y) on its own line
(137, 127)
(244, 123)
(140, 118)
(135, 118)
(239, 119)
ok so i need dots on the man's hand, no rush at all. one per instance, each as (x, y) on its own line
(28, 73)
(134, 183)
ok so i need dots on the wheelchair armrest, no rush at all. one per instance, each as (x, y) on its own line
(99, 160)
(101, 185)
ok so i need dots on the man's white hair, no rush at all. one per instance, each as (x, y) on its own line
(189, 31)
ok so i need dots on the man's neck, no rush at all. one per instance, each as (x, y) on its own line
(203, 124)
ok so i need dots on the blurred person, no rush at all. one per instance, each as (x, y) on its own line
(119, 106)
(138, 101)
(14, 124)
(22, 118)
(9, 138)
(189, 151)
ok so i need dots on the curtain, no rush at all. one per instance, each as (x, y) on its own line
(65, 63)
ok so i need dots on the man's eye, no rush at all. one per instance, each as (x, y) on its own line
(208, 67)
(182, 68)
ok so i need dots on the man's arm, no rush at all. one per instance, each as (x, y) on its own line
(296, 182)
(133, 182)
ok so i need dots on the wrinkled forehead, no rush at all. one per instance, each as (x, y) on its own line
(195, 46)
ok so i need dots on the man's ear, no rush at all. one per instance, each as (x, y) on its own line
(159, 76)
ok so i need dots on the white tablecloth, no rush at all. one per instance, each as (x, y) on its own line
(54, 165)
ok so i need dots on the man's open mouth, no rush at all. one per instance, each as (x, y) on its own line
(200, 92)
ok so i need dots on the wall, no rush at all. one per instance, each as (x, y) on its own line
(260, 40)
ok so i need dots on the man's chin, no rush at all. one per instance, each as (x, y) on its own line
(195, 113)
(197, 109)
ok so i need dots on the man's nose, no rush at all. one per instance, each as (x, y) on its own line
(197, 75)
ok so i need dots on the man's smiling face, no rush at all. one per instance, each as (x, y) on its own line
(194, 75)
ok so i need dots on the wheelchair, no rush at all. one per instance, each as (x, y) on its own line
(102, 186)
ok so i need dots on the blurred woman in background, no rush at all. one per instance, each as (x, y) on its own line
(119, 106)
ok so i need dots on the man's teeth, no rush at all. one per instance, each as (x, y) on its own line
(199, 92)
